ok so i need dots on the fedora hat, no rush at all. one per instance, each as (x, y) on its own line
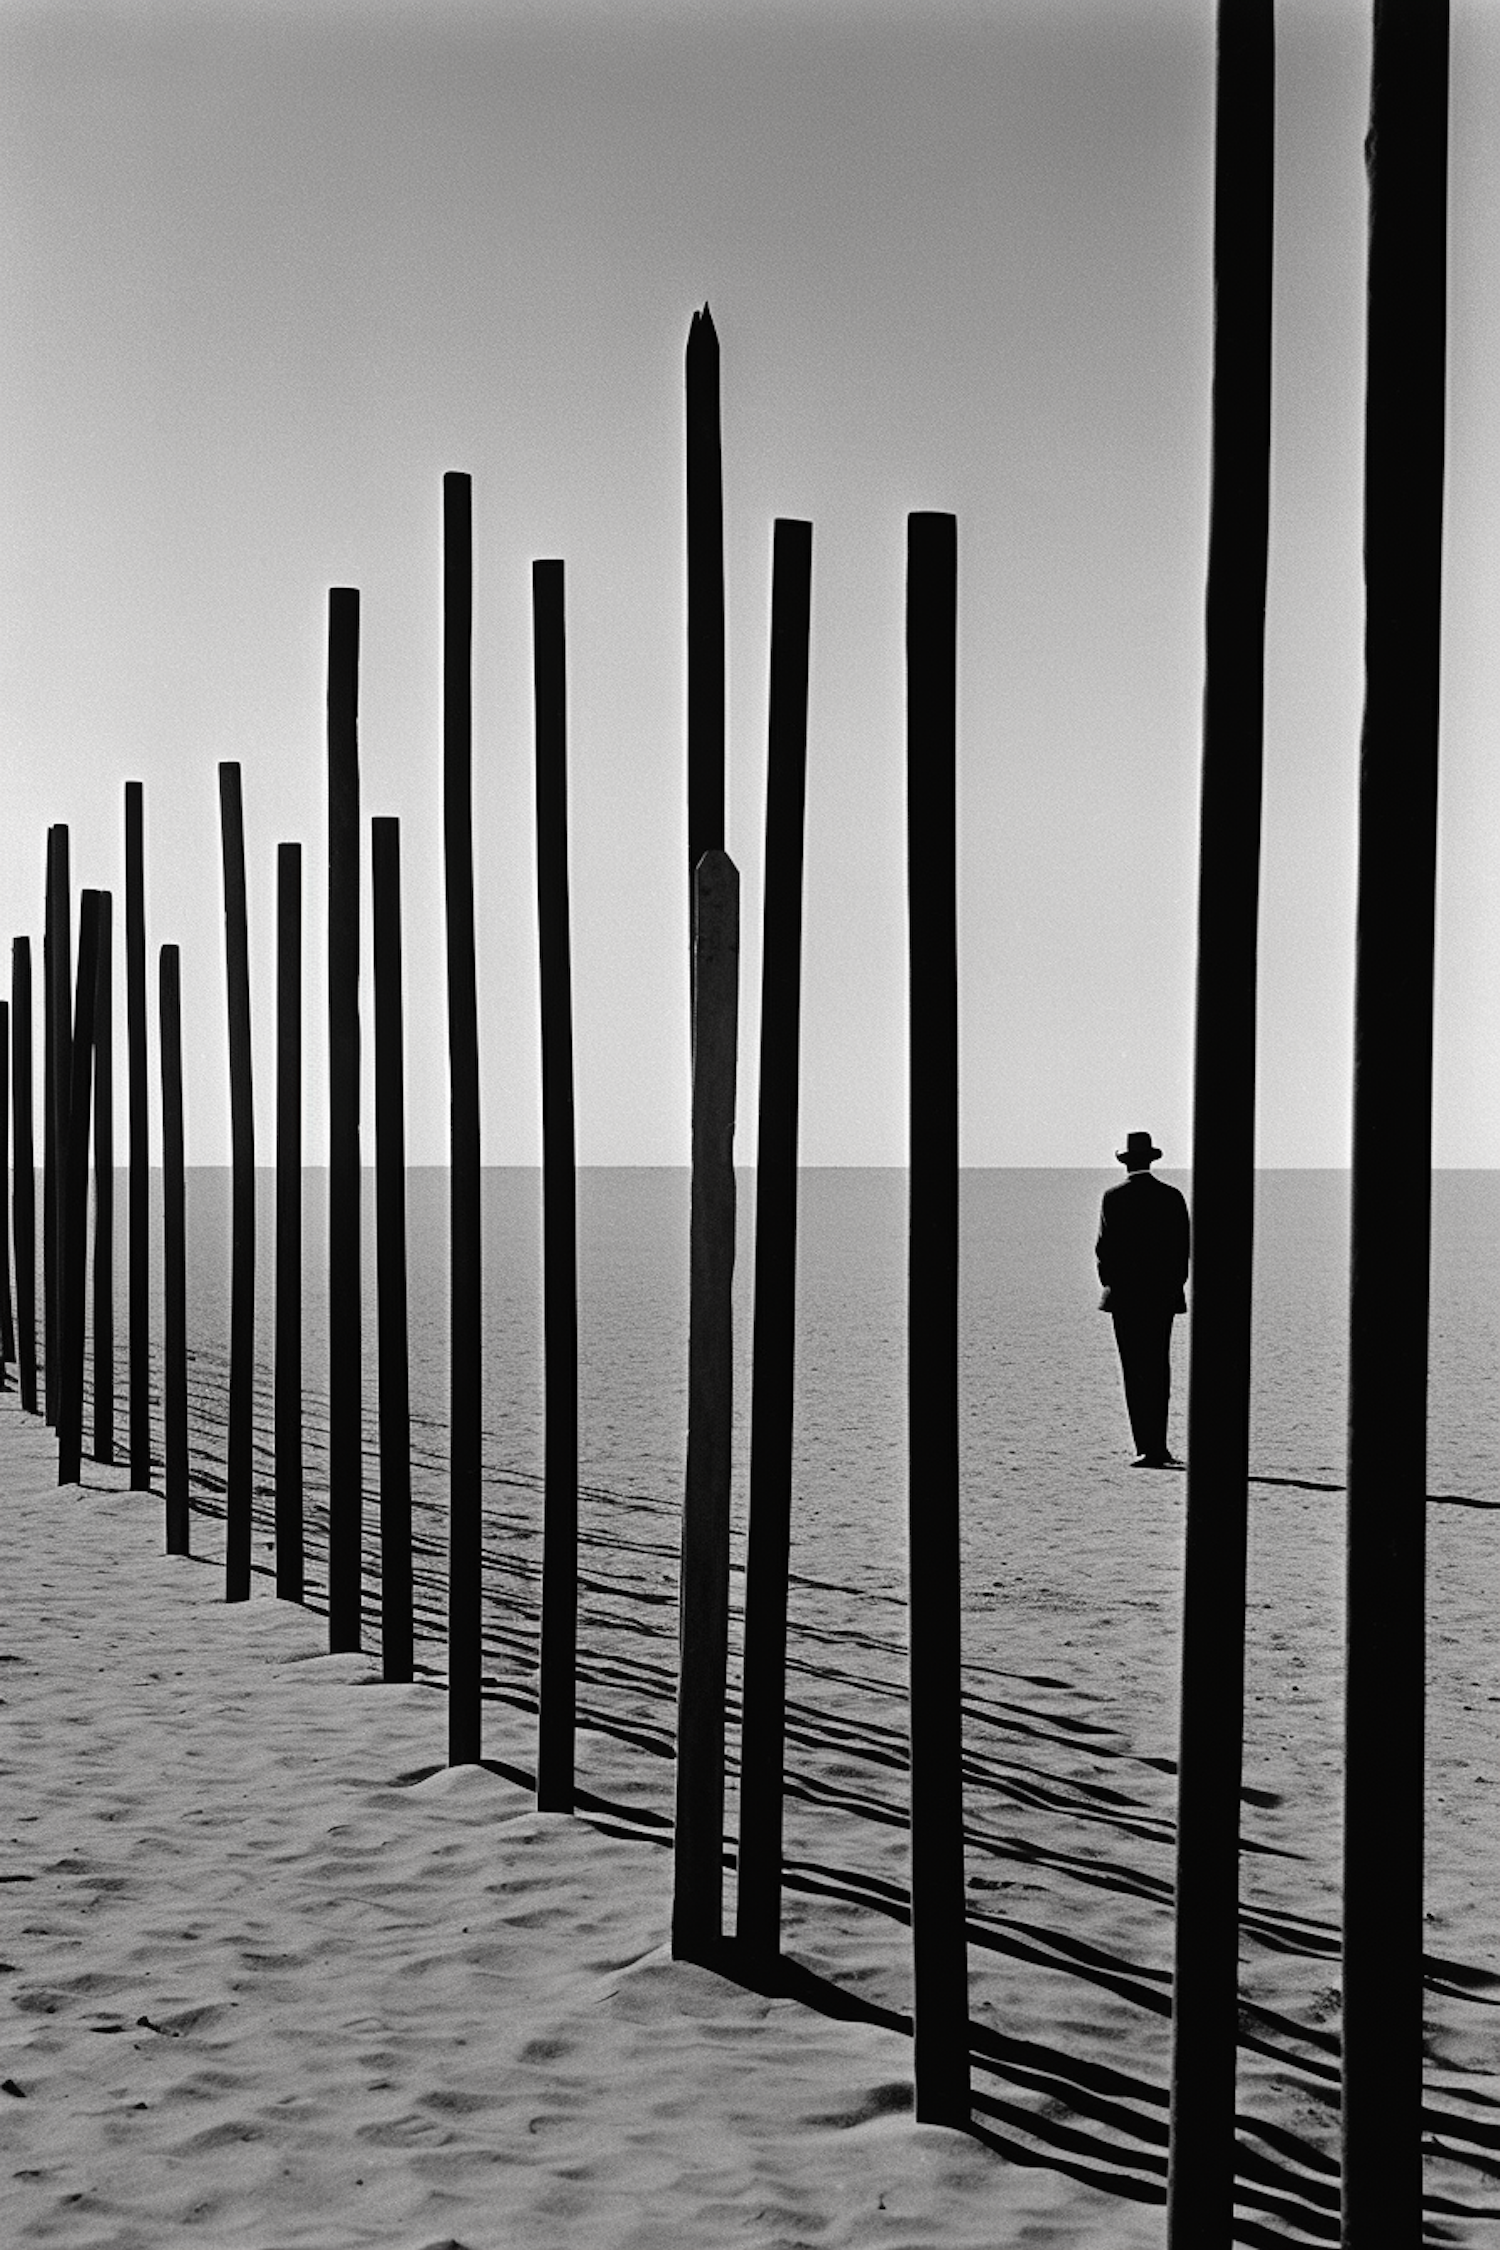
(1138, 1147)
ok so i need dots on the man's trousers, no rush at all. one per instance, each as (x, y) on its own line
(1145, 1345)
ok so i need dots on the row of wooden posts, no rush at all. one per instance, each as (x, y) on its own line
(1382, 1955)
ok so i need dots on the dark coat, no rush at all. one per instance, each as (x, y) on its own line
(1143, 1246)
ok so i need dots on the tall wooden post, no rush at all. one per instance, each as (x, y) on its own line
(290, 1571)
(104, 1189)
(1406, 153)
(703, 1583)
(768, 1551)
(390, 1257)
(73, 1232)
(940, 2010)
(557, 1686)
(240, 1480)
(58, 961)
(1205, 2018)
(139, 1184)
(705, 598)
(174, 1258)
(7, 1325)
(465, 1545)
(345, 1305)
(24, 1202)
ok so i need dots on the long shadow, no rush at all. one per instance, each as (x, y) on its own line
(1434, 1499)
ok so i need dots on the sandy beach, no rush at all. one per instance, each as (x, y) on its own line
(276, 1978)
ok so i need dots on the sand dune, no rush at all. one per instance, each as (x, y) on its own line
(276, 1978)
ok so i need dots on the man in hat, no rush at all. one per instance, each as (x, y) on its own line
(1142, 1253)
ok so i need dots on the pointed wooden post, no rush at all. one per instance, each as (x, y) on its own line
(345, 1301)
(465, 1544)
(940, 2009)
(1390, 1232)
(557, 1686)
(174, 1256)
(705, 598)
(703, 1581)
(7, 1325)
(104, 1190)
(1205, 2021)
(73, 1230)
(139, 1184)
(290, 1565)
(24, 1201)
(240, 1480)
(768, 1550)
(390, 1258)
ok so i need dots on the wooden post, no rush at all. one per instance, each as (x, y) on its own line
(290, 1567)
(705, 598)
(139, 1186)
(940, 2010)
(768, 1551)
(104, 1190)
(240, 1476)
(7, 1325)
(557, 1687)
(24, 1203)
(174, 1247)
(390, 1258)
(465, 1546)
(58, 962)
(73, 1215)
(1390, 1233)
(703, 1583)
(345, 1306)
(1205, 2019)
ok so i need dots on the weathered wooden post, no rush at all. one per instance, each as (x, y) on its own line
(290, 1567)
(390, 1257)
(24, 1203)
(58, 980)
(240, 1484)
(345, 1304)
(557, 1685)
(465, 1543)
(73, 1213)
(940, 2008)
(104, 1190)
(1205, 2016)
(174, 1259)
(703, 1581)
(139, 1184)
(7, 1325)
(768, 1549)
(1390, 1233)
(705, 598)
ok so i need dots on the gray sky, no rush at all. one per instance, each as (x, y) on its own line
(269, 271)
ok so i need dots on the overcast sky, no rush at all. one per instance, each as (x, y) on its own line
(269, 271)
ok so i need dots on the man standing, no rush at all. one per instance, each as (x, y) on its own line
(1142, 1254)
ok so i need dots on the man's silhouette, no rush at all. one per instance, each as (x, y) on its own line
(1142, 1253)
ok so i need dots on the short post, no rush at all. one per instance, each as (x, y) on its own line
(390, 1258)
(73, 1226)
(104, 1190)
(940, 2007)
(768, 1549)
(345, 1303)
(290, 1567)
(7, 1325)
(139, 1184)
(239, 1481)
(1390, 1220)
(703, 1581)
(705, 598)
(465, 1542)
(174, 1246)
(23, 1208)
(1205, 2008)
(557, 1684)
